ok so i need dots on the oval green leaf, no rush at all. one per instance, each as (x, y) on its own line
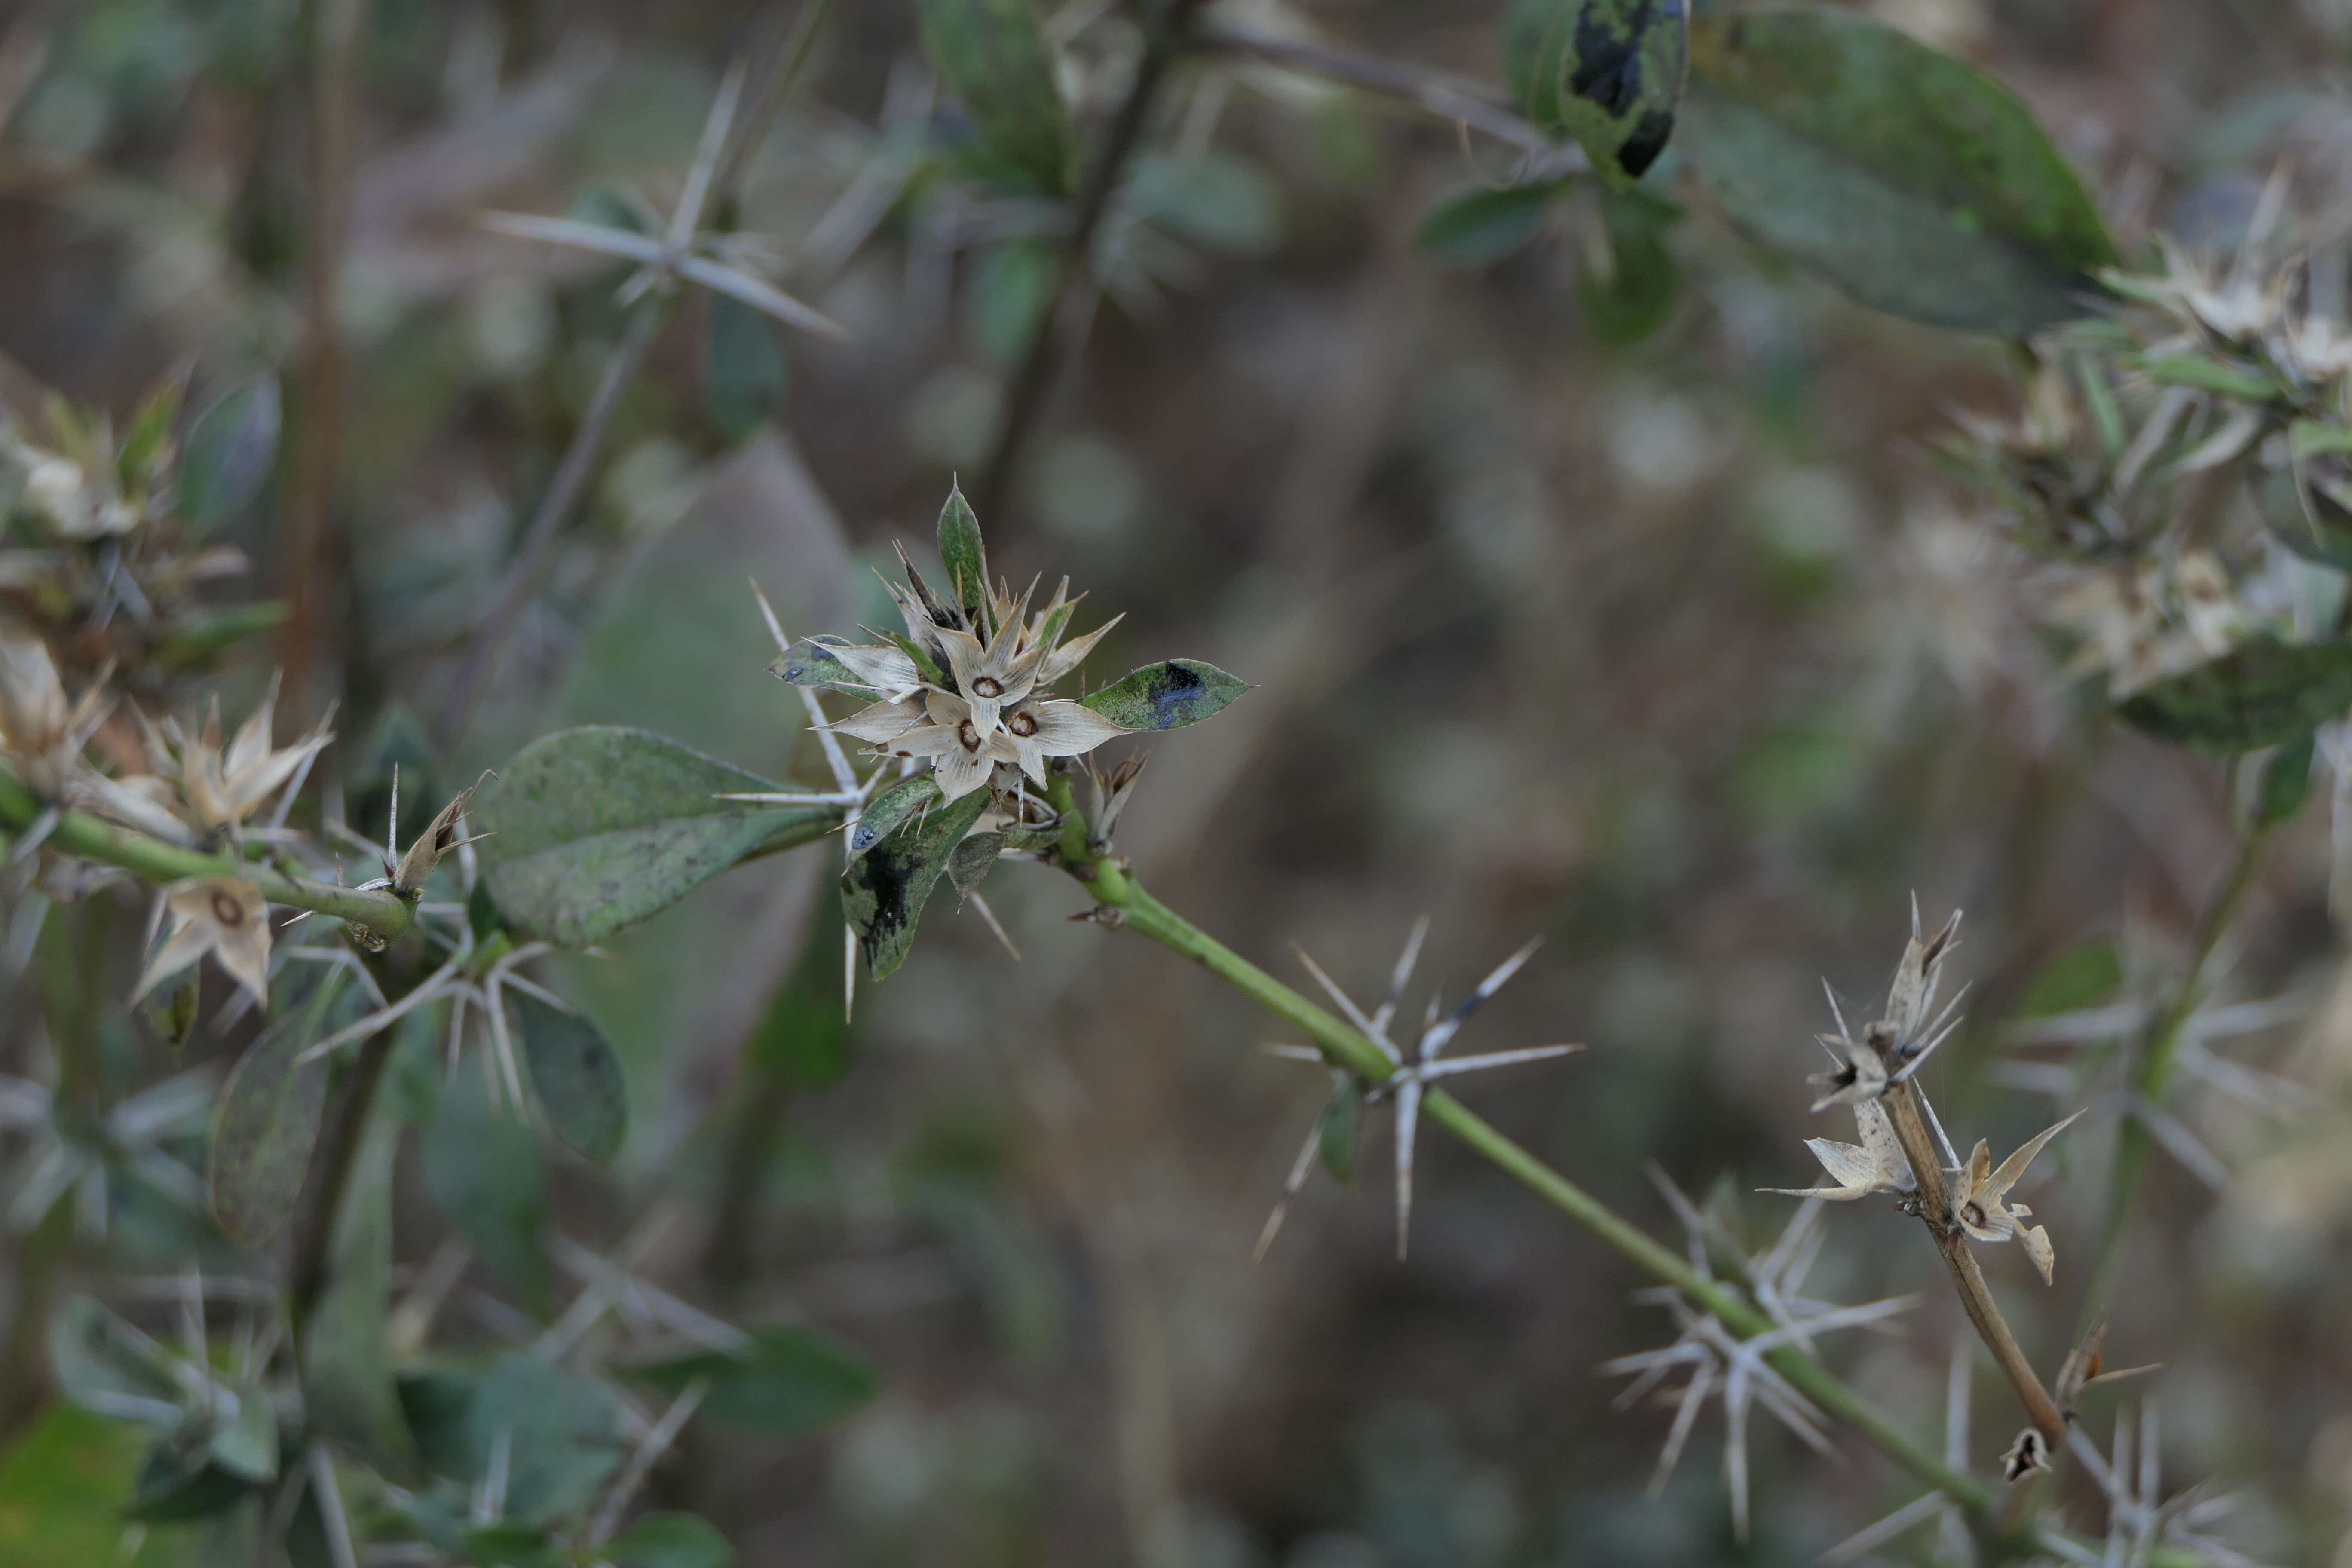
(1481, 224)
(593, 828)
(963, 553)
(574, 1075)
(482, 1170)
(993, 56)
(268, 1119)
(788, 1381)
(1620, 74)
(1168, 695)
(230, 450)
(2263, 694)
(1907, 178)
(669, 1540)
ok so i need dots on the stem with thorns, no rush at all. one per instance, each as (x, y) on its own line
(78, 833)
(2152, 1075)
(1935, 1207)
(1110, 885)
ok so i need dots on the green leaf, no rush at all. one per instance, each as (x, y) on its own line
(246, 1444)
(1168, 695)
(742, 367)
(1637, 296)
(512, 1546)
(104, 1365)
(347, 1381)
(266, 1122)
(669, 1540)
(804, 1037)
(574, 1075)
(883, 890)
(229, 451)
(599, 826)
(791, 1381)
(63, 1482)
(1473, 228)
(891, 810)
(1909, 178)
(964, 555)
(2205, 375)
(1335, 1131)
(993, 56)
(807, 663)
(970, 862)
(2083, 976)
(1621, 68)
(2263, 694)
(2310, 438)
(203, 635)
(563, 1435)
(1006, 288)
(481, 1167)
(2286, 780)
(173, 1486)
(1216, 200)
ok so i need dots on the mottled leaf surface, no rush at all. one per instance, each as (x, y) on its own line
(790, 1380)
(883, 890)
(970, 862)
(891, 810)
(1909, 178)
(2263, 694)
(600, 826)
(1168, 695)
(1620, 73)
(574, 1075)
(266, 1122)
(993, 56)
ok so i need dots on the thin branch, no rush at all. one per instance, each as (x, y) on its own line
(1069, 302)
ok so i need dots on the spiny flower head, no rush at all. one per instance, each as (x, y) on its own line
(198, 791)
(41, 734)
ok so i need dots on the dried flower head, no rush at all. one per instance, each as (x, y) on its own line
(224, 916)
(196, 791)
(1979, 1198)
(443, 833)
(41, 734)
(1874, 1165)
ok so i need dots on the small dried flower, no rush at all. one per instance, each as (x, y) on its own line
(2024, 1457)
(41, 734)
(1980, 1204)
(439, 837)
(198, 792)
(2085, 1368)
(1875, 1166)
(224, 916)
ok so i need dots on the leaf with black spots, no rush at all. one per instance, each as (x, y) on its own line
(891, 810)
(1620, 72)
(883, 890)
(1168, 695)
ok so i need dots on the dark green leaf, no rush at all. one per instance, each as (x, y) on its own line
(742, 367)
(1907, 177)
(2083, 976)
(563, 1435)
(1005, 291)
(2263, 694)
(806, 663)
(792, 1380)
(267, 1118)
(964, 554)
(202, 635)
(574, 1075)
(2286, 780)
(2206, 375)
(63, 1482)
(1619, 75)
(172, 1486)
(1167, 695)
(1481, 224)
(347, 1381)
(891, 810)
(993, 56)
(512, 1546)
(1335, 1131)
(599, 826)
(1637, 295)
(481, 1167)
(970, 861)
(438, 1403)
(246, 1444)
(229, 451)
(103, 1364)
(883, 890)
(669, 1540)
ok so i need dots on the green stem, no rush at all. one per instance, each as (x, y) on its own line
(1142, 912)
(79, 833)
(2152, 1076)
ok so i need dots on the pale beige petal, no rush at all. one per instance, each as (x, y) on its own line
(2013, 1168)
(1073, 653)
(884, 667)
(1071, 729)
(960, 772)
(880, 722)
(1852, 1167)
(2036, 1242)
(925, 740)
(252, 742)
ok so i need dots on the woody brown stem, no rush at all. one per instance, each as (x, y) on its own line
(1976, 1296)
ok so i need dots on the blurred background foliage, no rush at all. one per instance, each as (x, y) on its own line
(1594, 584)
